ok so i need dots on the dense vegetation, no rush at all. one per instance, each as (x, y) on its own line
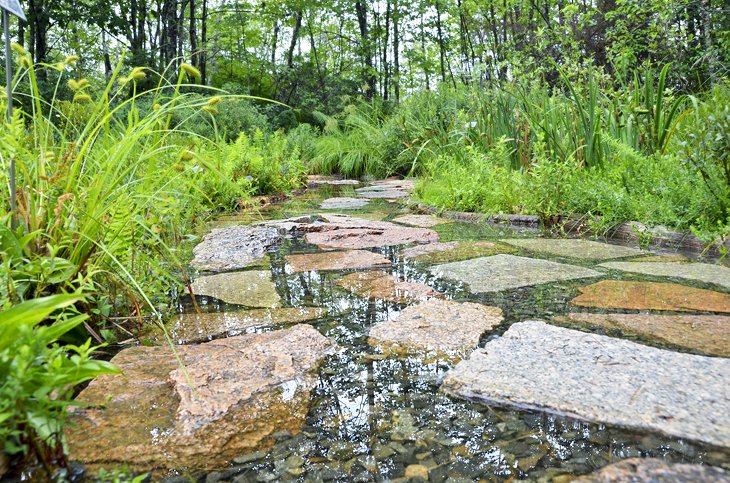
(135, 120)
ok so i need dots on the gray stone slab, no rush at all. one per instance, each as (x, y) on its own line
(575, 248)
(602, 379)
(502, 272)
(654, 470)
(702, 272)
(383, 194)
(234, 247)
(252, 288)
(342, 203)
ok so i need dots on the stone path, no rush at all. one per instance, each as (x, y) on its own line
(502, 272)
(252, 288)
(617, 294)
(634, 470)
(344, 260)
(707, 333)
(424, 221)
(574, 248)
(233, 395)
(316, 180)
(601, 379)
(343, 203)
(234, 247)
(436, 329)
(383, 286)
(702, 272)
(455, 251)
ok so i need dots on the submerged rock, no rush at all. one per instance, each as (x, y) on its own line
(574, 248)
(252, 288)
(343, 260)
(234, 247)
(707, 333)
(502, 272)
(342, 203)
(380, 285)
(229, 399)
(190, 328)
(343, 232)
(388, 194)
(440, 329)
(672, 257)
(455, 251)
(318, 180)
(424, 221)
(636, 470)
(617, 294)
(602, 379)
(702, 272)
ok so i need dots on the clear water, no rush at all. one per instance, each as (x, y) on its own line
(371, 417)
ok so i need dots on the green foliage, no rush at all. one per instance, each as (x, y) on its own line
(38, 376)
(232, 116)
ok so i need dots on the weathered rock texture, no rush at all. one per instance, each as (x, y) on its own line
(234, 247)
(380, 285)
(669, 257)
(436, 328)
(191, 328)
(617, 294)
(638, 470)
(598, 378)
(342, 203)
(316, 180)
(231, 397)
(574, 248)
(252, 288)
(707, 333)
(389, 194)
(502, 272)
(702, 272)
(344, 260)
(424, 221)
(455, 251)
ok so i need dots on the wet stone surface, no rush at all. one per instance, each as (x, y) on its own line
(252, 288)
(501, 272)
(381, 285)
(574, 248)
(705, 333)
(602, 379)
(342, 203)
(341, 260)
(618, 294)
(424, 221)
(234, 248)
(454, 251)
(702, 272)
(316, 180)
(649, 470)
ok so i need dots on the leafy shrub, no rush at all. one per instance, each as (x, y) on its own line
(234, 116)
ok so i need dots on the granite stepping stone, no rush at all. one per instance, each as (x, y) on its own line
(344, 260)
(702, 272)
(707, 333)
(455, 251)
(638, 470)
(317, 180)
(380, 285)
(618, 294)
(437, 329)
(343, 203)
(537, 366)
(574, 248)
(234, 247)
(382, 194)
(503, 272)
(252, 288)
(424, 221)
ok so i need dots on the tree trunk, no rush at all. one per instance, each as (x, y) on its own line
(294, 38)
(396, 53)
(192, 32)
(362, 21)
(204, 43)
(440, 34)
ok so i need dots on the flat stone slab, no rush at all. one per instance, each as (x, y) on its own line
(344, 260)
(574, 248)
(380, 285)
(707, 333)
(194, 328)
(646, 470)
(232, 397)
(503, 272)
(618, 294)
(389, 194)
(671, 257)
(437, 329)
(597, 378)
(252, 288)
(234, 247)
(702, 272)
(343, 203)
(317, 180)
(424, 221)
(337, 231)
(455, 251)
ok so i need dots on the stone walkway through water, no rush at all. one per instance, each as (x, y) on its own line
(343, 339)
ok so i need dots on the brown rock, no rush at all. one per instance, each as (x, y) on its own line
(424, 221)
(229, 399)
(344, 260)
(636, 470)
(616, 294)
(708, 333)
(441, 329)
(380, 285)
(417, 471)
(455, 251)
(190, 328)
(342, 203)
